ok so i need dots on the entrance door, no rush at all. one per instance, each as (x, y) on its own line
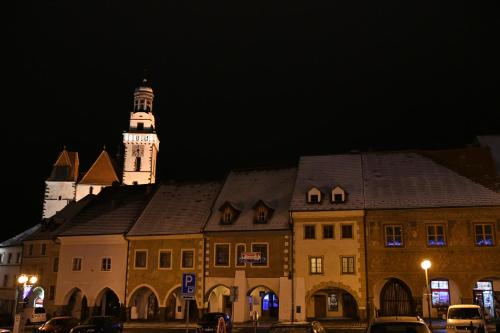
(319, 306)
(396, 299)
(349, 305)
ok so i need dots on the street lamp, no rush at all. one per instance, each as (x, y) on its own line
(24, 281)
(426, 264)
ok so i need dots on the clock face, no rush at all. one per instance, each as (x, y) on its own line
(137, 150)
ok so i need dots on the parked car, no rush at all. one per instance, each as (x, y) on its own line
(59, 325)
(35, 315)
(297, 327)
(99, 324)
(398, 324)
(209, 322)
(461, 317)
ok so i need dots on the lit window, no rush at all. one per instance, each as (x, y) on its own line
(316, 265)
(328, 232)
(221, 254)
(263, 250)
(309, 232)
(30, 250)
(77, 264)
(187, 259)
(9, 258)
(141, 259)
(227, 216)
(346, 231)
(440, 293)
(106, 264)
(43, 249)
(435, 235)
(261, 215)
(484, 234)
(347, 265)
(165, 259)
(394, 235)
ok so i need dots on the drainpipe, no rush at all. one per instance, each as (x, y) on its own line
(292, 272)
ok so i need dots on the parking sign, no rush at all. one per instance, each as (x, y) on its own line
(188, 284)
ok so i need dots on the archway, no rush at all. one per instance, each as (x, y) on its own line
(264, 302)
(37, 297)
(176, 304)
(484, 293)
(396, 299)
(144, 304)
(219, 299)
(77, 304)
(332, 302)
(107, 303)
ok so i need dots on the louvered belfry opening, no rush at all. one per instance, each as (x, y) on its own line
(396, 299)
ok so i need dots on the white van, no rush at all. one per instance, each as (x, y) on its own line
(460, 317)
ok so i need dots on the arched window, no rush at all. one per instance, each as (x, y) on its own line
(137, 164)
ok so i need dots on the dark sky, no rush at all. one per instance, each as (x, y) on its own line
(241, 83)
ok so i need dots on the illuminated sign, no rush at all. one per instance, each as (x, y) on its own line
(251, 257)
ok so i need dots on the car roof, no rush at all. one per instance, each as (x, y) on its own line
(405, 319)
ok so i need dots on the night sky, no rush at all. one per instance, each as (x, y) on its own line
(240, 83)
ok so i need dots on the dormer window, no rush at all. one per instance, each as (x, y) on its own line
(263, 211)
(338, 195)
(314, 196)
(229, 213)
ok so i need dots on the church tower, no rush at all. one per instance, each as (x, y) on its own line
(141, 142)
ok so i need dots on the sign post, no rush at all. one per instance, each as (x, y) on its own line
(187, 292)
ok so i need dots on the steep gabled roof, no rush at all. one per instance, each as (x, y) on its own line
(244, 188)
(181, 208)
(102, 172)
(66, 167)
(113, 211)
(18, 239)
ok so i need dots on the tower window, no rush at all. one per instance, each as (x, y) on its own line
(137, 164)
(140, 126)
(91, 189)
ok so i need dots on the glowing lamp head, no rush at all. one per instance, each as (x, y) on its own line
(22, 278)
(33, 279)
(426, 264)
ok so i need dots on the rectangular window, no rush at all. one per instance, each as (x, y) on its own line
(30, 250)
(394, 235)
(106, 264)
(187, 259)
(347, 231)
(141, 259)
(316, 265)
(348, 265)
(165, 260)
(328, 232)
(52, 292)
(55, 264)
(240, 248)
(222, 255)
(77, 264)
(435, 235)
(18, 257)
(309, 232)
(9, 258)
(1, 258)
(43, 249)
(440, 293)
(484, 234)
(262, 248)
(5, 280)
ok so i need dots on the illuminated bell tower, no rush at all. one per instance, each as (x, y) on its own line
(141, 142)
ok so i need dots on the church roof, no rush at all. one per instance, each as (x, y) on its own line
(66, 167)
(18, 239)
(102, 172)
(178, 208)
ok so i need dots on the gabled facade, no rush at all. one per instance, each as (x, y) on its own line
(328, 238)
(165, 243)
(248, 262)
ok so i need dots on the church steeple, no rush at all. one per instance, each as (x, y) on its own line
(141, 142)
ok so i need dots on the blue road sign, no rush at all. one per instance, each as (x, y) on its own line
(188, 284)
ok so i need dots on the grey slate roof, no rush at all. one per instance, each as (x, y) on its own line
(392, 180)
(410, 180)
(181, 208)
(243, 189)
(113, 211)
(325, 173)
(18, 239)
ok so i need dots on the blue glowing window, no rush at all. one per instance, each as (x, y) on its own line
(435, 235)
(484, 234)
(394, 235)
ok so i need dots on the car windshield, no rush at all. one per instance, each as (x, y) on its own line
(211, 317)
(464, 313)
(398, 328)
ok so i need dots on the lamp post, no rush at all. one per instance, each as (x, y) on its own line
(426, 264)
(23, 281)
